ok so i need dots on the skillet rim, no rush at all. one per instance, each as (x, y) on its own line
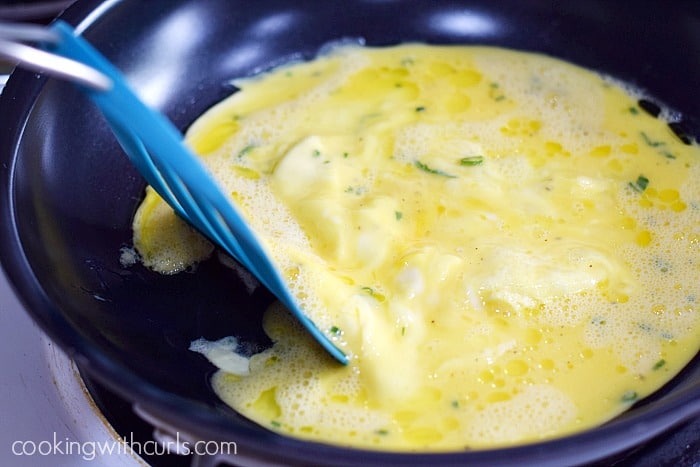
(186, 413)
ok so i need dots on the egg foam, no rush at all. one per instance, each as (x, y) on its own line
(506, 245)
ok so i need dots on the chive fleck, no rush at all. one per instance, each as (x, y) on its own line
(335, 330)
(659, 364)
(495, 92)
(316, 153)
(662, 265)
(275, 423)
(382, 432)
(373, 293)
(629, 396)
(455, 404)
(430, 170)
(633, 111)
(357, 190)
(640, 184)
(472, 160)
(243, 152)
(650, 142)
(420, 109)
(398, 215)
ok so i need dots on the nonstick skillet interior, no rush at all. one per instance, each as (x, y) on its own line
(69, 193)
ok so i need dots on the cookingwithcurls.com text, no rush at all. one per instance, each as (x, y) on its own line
(126, 446)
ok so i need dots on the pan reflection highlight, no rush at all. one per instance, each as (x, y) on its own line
(177, 39)
(276, 24)
(464, 23)
(259, 39)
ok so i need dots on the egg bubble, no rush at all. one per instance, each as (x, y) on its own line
(538, 410)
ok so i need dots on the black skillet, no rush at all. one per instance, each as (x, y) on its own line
(68, 193)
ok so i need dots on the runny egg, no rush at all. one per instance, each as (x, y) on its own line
(506, 245)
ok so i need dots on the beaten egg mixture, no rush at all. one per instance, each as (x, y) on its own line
(506, 245)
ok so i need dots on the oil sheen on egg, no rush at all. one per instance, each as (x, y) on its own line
(506, 245)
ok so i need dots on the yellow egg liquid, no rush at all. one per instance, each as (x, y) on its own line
(505, 244)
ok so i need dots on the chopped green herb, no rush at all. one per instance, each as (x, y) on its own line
(629, 396)
(403, 330)
(495, 92)
(374, 294)
(656, 332)
(634, 110)
(455, 404)
(382, 432)
(473, 160)
(316, 153)
(398, 215)
(357, 190)
(650, 142)
(661, 145)
(662, 264)
(275, 423)
(245, 150)
(430, 170)
(640, 185)
(345, 155)
(420, 109)
(659, 364)
(335, 330)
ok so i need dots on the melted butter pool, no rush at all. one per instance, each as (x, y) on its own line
(506, 245)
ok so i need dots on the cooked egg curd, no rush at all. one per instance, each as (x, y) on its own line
(506, 245)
